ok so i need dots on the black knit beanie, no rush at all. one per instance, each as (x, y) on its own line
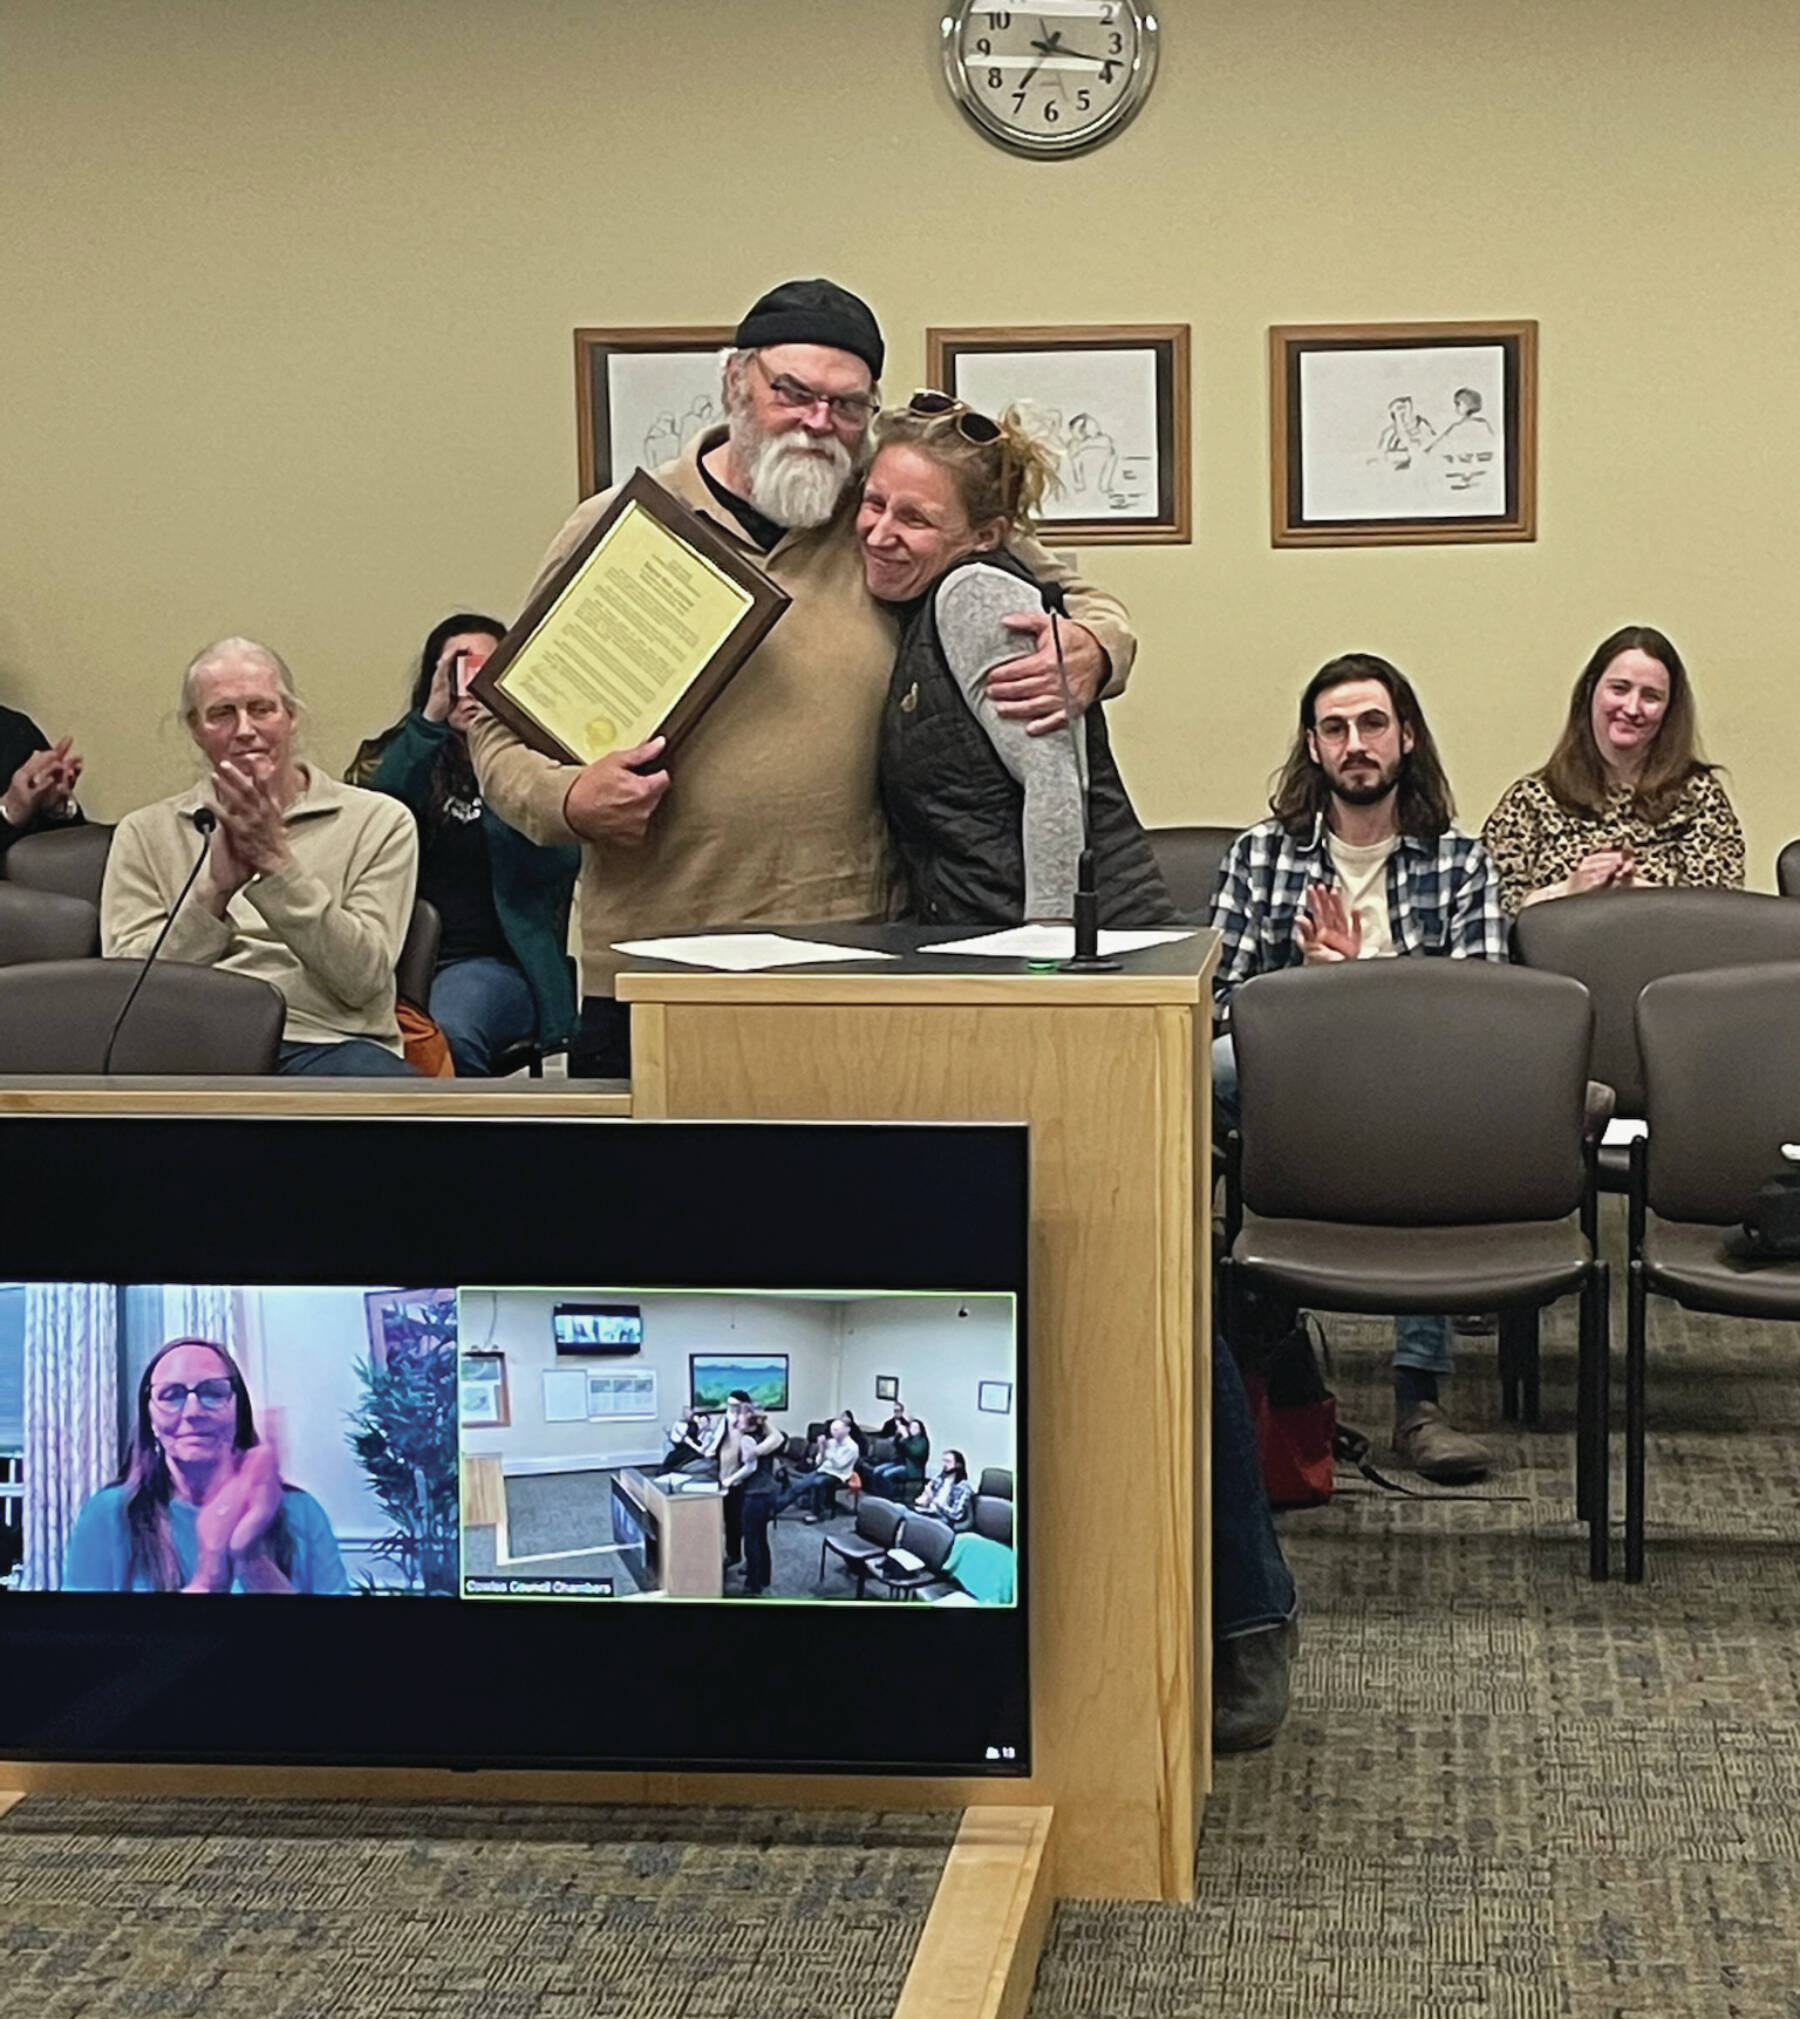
(814, 312)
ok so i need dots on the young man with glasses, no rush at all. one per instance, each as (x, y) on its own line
(776, 818)
(1358, 861)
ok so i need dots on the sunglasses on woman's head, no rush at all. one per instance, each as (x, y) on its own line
(973, 427)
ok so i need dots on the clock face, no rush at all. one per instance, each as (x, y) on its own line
(1051, 79)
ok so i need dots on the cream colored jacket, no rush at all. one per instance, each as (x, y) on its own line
(326, 931)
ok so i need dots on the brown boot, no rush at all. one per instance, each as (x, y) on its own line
(1428, 1443)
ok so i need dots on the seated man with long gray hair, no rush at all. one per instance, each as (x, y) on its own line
(307, 883)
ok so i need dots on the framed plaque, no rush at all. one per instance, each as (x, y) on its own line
(635, 635)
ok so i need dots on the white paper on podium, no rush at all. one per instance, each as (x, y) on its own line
(743, 952)
(1051, 942)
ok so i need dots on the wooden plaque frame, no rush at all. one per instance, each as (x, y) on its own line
(767, 602)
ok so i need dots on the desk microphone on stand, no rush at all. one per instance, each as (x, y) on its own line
(1087, 957)
(204, 820)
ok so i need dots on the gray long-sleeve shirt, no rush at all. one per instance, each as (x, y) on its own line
(969, 607)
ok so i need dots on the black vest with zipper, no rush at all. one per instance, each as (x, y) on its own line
(956, 813)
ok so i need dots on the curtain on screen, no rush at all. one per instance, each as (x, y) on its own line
(71, 1415)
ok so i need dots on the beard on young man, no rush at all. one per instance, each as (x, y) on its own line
(1362, 780)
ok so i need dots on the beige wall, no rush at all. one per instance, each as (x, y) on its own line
(286, 293)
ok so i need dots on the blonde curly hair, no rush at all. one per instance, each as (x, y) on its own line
(1006, 478)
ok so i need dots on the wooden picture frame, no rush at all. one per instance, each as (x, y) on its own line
(484, 1402)
(1113, 402)
(887, 1388)
(1396, 434)
(762, 1376)
(994, 1398)
(405, 1322)
(630, 381)
(679, 705)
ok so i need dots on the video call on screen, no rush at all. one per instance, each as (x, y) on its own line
(470, 1442)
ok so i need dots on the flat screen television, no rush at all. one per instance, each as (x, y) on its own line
(306, 1477)
(588, 1330)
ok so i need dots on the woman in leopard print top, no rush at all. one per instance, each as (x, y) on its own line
(1626, 798)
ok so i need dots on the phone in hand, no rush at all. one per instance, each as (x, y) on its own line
(459, 678)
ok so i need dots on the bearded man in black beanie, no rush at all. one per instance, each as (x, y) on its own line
(771, 816)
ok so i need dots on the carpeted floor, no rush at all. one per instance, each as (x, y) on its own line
(1503, 1792)
(272, 1910)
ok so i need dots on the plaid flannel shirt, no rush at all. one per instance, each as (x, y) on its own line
(1443, 898)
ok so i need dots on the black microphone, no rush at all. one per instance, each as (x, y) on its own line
(204, 820)
(1086, 958)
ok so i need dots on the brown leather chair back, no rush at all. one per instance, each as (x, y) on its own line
(1787, 870)
(1722, 1078)
(68, 860)
(996, 1482)
(57, 1016)
(42, 925)
(993, 1517)
(1618, 941)
(1189, 858)
(1412, 1092)
(928, 1538)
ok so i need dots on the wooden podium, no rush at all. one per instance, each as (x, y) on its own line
(1112, 1073)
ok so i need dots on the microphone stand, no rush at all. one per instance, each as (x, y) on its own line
(204, 820)
(1087, 958)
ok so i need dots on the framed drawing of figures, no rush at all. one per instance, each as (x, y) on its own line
(641, 395)
(1383, 434)
(1111, 404)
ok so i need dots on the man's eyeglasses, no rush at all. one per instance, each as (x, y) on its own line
(973, 427)
(211, 1395)
(850, 409)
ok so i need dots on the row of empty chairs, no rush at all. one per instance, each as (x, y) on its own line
(885, 1525)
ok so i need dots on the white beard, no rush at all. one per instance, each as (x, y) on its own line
(795, 479)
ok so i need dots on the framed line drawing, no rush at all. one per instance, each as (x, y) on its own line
(1110, 400)
(994, 1398)
(641, 395)
(1387, 434)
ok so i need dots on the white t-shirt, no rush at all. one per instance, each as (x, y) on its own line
(1362, 878)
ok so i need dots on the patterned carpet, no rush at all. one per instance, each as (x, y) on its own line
(1503, 1792)
(312, 1911)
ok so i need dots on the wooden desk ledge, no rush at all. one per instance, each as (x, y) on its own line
(175, 1094)
(978, 1955)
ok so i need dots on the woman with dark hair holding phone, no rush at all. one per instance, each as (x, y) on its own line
(503, 973)
(201, 1504)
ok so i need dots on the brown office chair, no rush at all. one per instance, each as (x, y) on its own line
(993, 1517)
(57, 1017)
(1614, 942)
(1414, 1140)
(1721, 1055)
(42, 925)
(877, 1527)
(68, 860)
(1189, 858)
(996, 1483)
(1787, 870)
(930, 1540)
(418, 955)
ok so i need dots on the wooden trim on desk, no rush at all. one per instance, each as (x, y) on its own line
(10, 1798)
(1003, 991)
(978, 1955)
(187, 1097)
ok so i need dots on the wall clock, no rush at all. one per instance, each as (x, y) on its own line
(1053, 79)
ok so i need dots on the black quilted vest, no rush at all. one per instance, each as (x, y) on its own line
(955, 812)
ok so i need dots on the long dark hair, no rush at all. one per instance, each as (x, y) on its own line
(1423, 806)
(1576, 773)
(145, 1475)
(453, 776)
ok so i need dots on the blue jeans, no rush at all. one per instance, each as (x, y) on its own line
(482, 1006)
(354, 1058)
(1252, 1585)
(1422, 1343)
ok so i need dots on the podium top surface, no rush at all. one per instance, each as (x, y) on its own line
(1179, 971)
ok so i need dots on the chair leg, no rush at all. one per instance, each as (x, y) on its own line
(1636, 1301)
(1508, 1348)
(1528, 1367)
(1597, 1316)
(1584, 1408)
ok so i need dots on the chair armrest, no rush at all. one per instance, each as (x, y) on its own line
(1601, 1101)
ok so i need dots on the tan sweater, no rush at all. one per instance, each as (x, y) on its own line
(772, 815)
(326, 931)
